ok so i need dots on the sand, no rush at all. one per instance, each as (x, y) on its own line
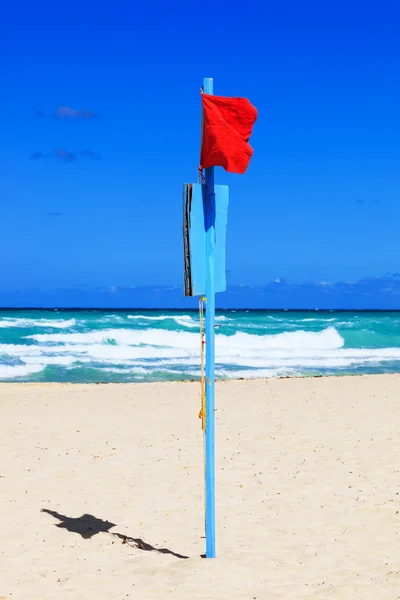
(101, 491)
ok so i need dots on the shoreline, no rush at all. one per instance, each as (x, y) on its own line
(197, 381)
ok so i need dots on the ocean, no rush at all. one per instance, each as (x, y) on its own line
(121, 346)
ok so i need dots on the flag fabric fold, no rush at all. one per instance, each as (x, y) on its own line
(227, 127)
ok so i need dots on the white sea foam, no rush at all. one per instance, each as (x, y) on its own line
(184, 320)
(44, 360)
(144, 351)
(252, 373)
(289, 349)
(127, 370)
(328, 338)
(149, 318)
(320, 320)
(187, 321)
(123, 337)
(28, 323)
(13, 371)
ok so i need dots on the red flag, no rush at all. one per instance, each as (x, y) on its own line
(227, 126)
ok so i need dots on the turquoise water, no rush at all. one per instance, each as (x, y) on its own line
(113, 346)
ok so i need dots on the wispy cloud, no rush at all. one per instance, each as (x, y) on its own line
(89, 154)
(55, 214)
(367, 202)
(37, 156)
(66, 155)
(67, 112)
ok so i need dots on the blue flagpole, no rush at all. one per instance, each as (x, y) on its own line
(209, 223)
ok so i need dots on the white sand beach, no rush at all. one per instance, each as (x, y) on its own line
(101, 491)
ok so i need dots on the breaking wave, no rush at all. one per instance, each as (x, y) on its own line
(138, 352)
(184, 320)
(148, 347)
(30, 323)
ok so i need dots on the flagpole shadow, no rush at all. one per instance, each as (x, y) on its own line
(88, 526)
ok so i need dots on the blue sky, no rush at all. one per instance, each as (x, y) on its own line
(99, 121)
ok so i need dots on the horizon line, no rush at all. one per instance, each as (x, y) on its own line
(189, 309)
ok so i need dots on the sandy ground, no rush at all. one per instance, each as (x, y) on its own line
(101, 491)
